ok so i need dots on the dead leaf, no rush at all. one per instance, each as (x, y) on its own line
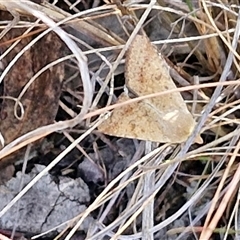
(160, 119)
(40, 102)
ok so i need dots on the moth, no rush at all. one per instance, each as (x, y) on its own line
(164, 118)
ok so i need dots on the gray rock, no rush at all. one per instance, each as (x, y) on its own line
(46, 205)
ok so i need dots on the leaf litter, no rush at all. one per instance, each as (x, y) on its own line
(156, 190)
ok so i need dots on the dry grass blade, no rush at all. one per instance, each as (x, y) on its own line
(177, 190)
